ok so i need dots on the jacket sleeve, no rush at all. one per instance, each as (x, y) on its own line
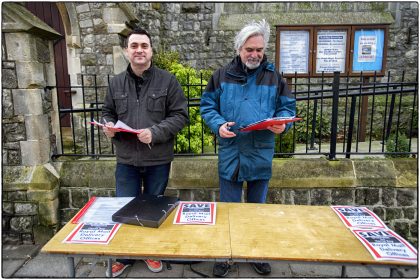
(210, 104)
(176, 114)
(286, 102)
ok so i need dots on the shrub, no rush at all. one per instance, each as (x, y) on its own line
(397, 144)
(284, 143)
(193, 86)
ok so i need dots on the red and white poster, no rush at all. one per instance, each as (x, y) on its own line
(384, 244)
(92, 233)
(358, 217)
(195, 213)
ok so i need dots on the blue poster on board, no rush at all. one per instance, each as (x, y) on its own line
(368, 50)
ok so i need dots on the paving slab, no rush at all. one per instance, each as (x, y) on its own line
(278, 270)
(205, 268)
(9, 267)
(315, 270)
(140, 270)
(44, 265)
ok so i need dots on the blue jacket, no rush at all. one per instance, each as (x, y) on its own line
(235, 95)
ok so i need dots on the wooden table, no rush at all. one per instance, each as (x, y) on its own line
(243, 232)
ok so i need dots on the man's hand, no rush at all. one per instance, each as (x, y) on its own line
(109, 132)
(277, 128)
(145, 136)
(224, 131)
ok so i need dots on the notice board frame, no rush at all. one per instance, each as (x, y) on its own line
(350, 48)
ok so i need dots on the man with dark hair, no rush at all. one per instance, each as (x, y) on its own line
(151, 101)
(245, 91)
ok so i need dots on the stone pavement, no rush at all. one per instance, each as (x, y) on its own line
(25, 261)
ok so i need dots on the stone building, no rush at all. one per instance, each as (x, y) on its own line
(91, 37)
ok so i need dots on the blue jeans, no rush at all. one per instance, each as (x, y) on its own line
(130, 179)
(231, 191)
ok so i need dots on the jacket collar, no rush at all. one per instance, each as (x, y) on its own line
(146, 74)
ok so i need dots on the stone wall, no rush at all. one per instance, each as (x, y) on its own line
(203, 33)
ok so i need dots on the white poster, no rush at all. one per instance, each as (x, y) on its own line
(331, 51)
(294, 52)
(367, 49)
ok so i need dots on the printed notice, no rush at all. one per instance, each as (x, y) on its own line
(196, 212)
(294, 51)
(367, 49)
(92, 233)
(384, 244)
(100, 210)
(358, 217)
(331, 51)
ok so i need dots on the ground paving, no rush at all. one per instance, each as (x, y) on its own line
(26, 261)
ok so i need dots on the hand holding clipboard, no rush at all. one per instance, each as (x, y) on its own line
(263, 124)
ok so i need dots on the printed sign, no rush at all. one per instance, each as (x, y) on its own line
(196, 213)
(331, 51)
(384, 244)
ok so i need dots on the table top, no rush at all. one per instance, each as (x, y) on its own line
(243, 231)
(168, 241)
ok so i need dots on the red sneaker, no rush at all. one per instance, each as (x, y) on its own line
(117, 269)
(154, 266)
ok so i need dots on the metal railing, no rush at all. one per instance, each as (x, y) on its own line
(342, 117)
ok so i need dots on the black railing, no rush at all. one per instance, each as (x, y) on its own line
(342, 116)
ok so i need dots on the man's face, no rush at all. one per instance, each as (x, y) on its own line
(139, 50)
(252, 51)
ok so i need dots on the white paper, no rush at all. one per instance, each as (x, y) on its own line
(122, 125)
(102, 209)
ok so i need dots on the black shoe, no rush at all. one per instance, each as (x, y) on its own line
(262, 268)
(221, 269)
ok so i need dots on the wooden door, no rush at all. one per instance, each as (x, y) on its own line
(48, 12)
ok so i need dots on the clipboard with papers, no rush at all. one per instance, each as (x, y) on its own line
(263, 124)
(118, 127)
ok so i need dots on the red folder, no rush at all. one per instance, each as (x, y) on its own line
(263, 124)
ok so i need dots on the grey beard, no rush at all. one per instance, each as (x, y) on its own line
(252, 65)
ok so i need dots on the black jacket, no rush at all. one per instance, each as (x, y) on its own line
(155, 101)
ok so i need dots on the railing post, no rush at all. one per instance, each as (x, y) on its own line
(334, 120)
(351, 126)
(92, 134)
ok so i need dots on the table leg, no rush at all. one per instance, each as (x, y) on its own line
(70, 264)
(343, 271)
(109, 267)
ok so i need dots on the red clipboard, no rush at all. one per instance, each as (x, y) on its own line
(261, 125)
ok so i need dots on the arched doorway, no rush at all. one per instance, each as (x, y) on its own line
(49, 13)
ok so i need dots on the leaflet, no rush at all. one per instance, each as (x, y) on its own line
(384, 244)
(358, 217)
(196, 213)
(118, 127)
(381, 242)
(100, 210)
(92, 233)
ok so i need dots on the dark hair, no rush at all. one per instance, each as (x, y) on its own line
(139, 31)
